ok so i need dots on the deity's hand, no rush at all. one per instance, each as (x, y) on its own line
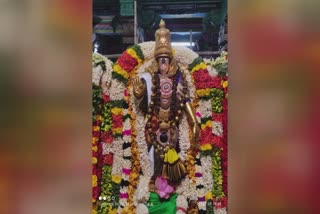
(138, 87)
(195, 132)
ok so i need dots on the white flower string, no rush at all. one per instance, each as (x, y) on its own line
(184, 140)
(206, 162)
(220, 210)
(117, 157)
(147, 49)
(217, 128)
(199, 185)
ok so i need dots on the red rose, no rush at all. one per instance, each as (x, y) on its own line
(127, 62)
(105, 98)
(108, 159)
(106, 137)
(117, 121)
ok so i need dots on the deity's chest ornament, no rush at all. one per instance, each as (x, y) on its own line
(166, 92)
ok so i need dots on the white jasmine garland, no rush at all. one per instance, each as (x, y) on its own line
(184, 140)
(142, 209)
(117, 90)
(220, 210)
(107, 148)
(184, 188)
(199, 181)
(107, 77)
(147, 49)
(142, 193)
(96, 74)
(190, 85)
(181, 203)
(205, 108)
(184, 55)
(117, 157)
(217, 128)
(206, 162)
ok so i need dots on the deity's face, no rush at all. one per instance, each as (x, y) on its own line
(163, 63)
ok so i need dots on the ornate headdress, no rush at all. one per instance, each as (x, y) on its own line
(163, 42)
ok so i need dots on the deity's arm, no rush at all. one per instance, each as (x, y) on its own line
(192, 117)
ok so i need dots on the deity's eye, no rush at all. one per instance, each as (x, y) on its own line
(163, 60)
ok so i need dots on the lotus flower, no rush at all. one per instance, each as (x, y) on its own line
(163, 188)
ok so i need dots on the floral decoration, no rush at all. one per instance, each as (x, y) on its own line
(121, 165)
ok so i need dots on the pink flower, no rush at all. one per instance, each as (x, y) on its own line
(163, 188)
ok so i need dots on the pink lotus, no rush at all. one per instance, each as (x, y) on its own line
(163, 188)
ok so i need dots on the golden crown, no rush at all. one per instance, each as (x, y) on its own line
(163, 42)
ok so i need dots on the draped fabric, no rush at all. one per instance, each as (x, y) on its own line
(157, 205)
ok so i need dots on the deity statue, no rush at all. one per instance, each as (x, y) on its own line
(162, 95)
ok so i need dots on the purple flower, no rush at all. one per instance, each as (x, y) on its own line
(163, 188)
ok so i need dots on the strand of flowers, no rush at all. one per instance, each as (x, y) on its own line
(117, 104)
(184, 191)
(205, 90)
(142, 194)
(127, 62)
(224, 152)
(96, 149)
(106, 198)
(99, 68)
(184, 138)
(217, 191)
(135, 169)
(96, 174)
(199, 185)
(126, 169)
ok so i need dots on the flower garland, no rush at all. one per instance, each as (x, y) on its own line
(98, 68)
(199, 186)
(212, 92)
(121, 119)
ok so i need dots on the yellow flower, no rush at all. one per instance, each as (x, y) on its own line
(200, 66)
(94, 211)
(203, 92)
(117, 130)
(206, 147)
(207, 124)
(98, 117)
(94, 200)
(116, 111)
(209, 195)
(95, 148)
(94, 140)
(120, 71)
(94, 160)
(224, 83)
(116, 179)
(96, 128)
(94, 181)
(171, 156)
